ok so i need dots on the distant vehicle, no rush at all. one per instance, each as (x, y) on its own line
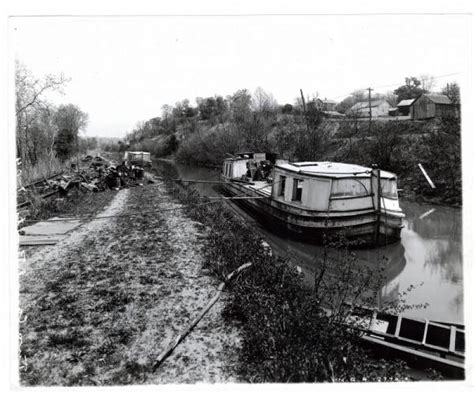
(318, 199)
(141, 159)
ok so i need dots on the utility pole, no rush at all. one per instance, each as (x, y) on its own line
(304, 110)
(370, 108)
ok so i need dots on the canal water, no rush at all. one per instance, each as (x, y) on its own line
(429, 256)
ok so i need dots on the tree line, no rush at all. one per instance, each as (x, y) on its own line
(205, 134)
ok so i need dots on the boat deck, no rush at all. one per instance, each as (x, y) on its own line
(261, 187)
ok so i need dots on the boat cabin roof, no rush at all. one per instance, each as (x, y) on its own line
(137, 152)
(331, 169)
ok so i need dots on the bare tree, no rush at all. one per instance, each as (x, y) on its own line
(453, 92)
(391, 98)
(428, 82)
(30, 101)
(263, 102)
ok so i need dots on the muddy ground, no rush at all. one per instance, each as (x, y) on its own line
(103, 303)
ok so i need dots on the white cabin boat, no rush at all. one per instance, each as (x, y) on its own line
(317, 199)
(141, 159)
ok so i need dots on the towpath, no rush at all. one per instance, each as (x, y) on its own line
(104, 302)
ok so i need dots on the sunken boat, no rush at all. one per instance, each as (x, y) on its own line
(317, 201)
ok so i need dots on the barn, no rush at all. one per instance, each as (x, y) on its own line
(429, 106)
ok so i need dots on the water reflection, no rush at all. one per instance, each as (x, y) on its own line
(429, 255)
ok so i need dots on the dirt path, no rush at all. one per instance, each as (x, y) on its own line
(102, 304)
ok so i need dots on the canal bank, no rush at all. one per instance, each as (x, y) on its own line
(428, 260)
(286, 335)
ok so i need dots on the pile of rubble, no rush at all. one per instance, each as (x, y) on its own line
(100, 175)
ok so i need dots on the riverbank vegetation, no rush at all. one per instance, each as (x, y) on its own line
(207, 133)
(287, 335)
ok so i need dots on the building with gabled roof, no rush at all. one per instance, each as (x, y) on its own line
(378, 108)
(404, 106)
(429, 106)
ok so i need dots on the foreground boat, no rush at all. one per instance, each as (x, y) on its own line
(318, 199)
(430, 344)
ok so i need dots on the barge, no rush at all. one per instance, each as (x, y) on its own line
(426, 343)
(318, 200)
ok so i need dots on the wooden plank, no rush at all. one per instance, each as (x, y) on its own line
(399, 323)
(426, 176)
(425, 332)
(34, 240)
(452, 339)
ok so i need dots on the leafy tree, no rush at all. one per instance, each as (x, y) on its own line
(182, 109)
(69, 119)
(240, 106)
(207, 107)
(65, 144)
(287, 109)
(412, 89)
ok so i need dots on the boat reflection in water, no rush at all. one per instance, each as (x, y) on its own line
(309, 258)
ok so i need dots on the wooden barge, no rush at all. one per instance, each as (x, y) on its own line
(429, 344)
(318, 199)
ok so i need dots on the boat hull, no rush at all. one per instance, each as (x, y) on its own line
(362, 228)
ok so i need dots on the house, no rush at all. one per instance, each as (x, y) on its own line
(404, 106)
(327, 105)
(323, 105)
(377, 107)
(429, 106)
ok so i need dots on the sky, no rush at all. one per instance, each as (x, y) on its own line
(122, 70)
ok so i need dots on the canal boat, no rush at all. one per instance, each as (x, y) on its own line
(141, 159)
(427, 343)
(318, 200)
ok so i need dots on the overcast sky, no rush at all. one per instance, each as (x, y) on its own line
(124, 69)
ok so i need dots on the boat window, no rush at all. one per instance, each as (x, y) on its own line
(228, 170)
(350, 187)
(281, 186)
(389, 188)
(297, 189)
